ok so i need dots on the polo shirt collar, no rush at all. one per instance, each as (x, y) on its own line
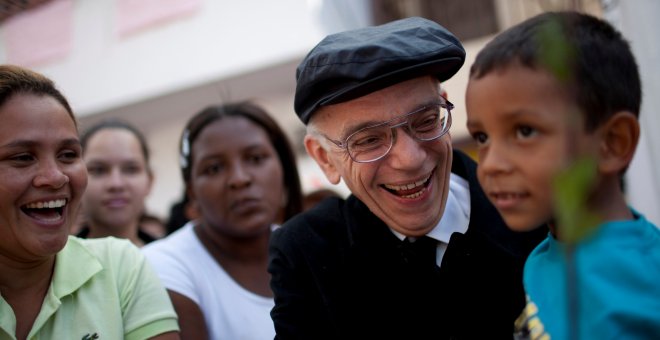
(74, 266)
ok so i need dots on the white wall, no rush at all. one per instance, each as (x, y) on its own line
(638, 21)
(160, 76)
(223, 38)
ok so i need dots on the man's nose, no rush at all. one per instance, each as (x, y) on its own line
(406, 150)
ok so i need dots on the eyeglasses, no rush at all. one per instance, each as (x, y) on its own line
(374, 142)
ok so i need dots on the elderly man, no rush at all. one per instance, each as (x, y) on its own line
(416, 252)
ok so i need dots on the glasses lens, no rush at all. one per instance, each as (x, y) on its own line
(370, 144)
(429, 123)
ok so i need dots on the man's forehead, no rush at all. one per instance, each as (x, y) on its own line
(341, 119)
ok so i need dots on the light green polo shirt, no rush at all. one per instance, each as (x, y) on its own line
(101, 289)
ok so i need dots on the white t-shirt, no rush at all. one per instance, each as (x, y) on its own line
(186, 267)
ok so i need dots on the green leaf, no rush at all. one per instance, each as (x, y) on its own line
(556, 54)
(572, 187)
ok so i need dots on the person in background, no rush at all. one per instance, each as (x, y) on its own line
(54, 285)
(153, 226)
(120, 178)
(416, 251)
(533, 120)
(240, 176)
(181, 212)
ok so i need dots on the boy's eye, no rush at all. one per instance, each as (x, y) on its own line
(525, 131)
(480, 138)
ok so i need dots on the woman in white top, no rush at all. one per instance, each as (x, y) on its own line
(241, 177)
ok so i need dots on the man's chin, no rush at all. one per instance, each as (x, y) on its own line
(408, 224)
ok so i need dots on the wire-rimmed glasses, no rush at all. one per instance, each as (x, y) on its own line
(374, 142)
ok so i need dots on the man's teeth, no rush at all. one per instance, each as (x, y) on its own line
(406, 186)
(415, 195)
(48, 204)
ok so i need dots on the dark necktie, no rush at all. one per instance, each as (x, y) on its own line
(421, 252)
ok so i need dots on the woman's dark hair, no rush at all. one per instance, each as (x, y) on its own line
(261, 118)
(115, 123)
(177, 216)
(17, 80)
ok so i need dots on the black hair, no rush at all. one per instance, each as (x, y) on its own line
(116, 123)
(177, 215)
(18, 80)
(588, 53)
(261, 118)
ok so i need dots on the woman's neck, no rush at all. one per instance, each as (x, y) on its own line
(130, 232)
(245, 260)
(24, 286)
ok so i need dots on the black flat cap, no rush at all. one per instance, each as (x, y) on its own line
(351, 64)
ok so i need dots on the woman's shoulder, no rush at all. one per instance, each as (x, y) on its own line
(112, 275)
(177, 254)
(183, 240)
(106, 261)
(100, 245)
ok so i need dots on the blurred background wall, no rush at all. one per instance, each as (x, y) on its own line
(157, 62)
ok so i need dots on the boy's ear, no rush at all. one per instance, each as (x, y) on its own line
(320, 155)
(620, 135)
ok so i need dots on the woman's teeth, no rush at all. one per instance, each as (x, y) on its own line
(48, 204)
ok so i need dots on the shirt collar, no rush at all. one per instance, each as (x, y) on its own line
(74, 265)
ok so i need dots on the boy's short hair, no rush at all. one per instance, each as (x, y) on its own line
(601, 70)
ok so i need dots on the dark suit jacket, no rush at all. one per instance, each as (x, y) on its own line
(338, 272)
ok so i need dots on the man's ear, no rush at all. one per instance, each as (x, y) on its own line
(320, 155)
(620, 135)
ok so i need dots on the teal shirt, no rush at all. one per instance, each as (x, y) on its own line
(101, 289)
(617, 284)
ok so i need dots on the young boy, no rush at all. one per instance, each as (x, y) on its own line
(554, 90)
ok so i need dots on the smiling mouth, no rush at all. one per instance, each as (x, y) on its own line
(507, 200)
(46, 210)
(410, 190)
(508, 195)
(116, 203)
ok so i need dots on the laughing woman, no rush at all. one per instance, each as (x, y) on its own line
(52, 285)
